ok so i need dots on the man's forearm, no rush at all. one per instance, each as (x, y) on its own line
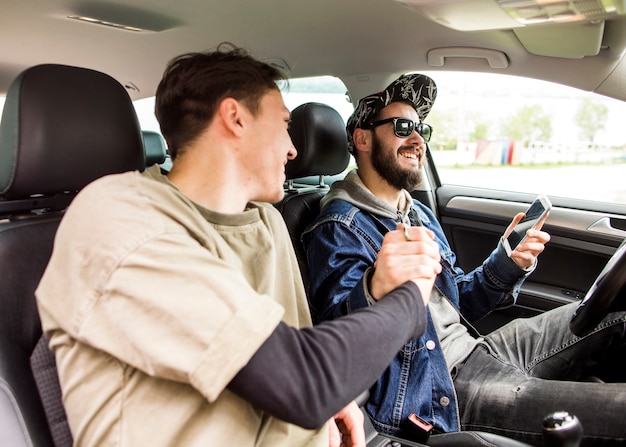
(305, 376)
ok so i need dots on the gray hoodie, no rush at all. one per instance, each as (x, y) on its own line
(353, 190)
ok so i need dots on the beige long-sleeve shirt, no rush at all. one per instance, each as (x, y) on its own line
(153, 304)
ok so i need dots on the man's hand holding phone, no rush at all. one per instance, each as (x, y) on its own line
(523, 239)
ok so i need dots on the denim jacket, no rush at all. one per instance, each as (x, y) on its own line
(342, 245)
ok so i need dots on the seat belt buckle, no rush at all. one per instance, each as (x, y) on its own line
(417, 429)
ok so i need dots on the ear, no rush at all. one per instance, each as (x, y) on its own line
(362, 139)
(231, 114)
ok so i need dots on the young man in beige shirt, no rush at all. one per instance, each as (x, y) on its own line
(174, 304)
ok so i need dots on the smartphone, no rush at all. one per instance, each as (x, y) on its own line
(535, 212)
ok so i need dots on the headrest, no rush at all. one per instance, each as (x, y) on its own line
(155, 147)
(319, 134)
(63, 127)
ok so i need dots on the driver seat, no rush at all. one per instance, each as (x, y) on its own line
(61, 128)
(319, 135)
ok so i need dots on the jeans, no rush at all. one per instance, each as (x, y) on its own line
(532, 367)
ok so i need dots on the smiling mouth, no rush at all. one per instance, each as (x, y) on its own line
(410, 154)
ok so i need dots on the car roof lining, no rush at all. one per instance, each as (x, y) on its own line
(343, 49)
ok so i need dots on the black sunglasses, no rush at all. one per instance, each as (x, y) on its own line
(404, 127)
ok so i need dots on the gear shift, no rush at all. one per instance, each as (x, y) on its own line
(561, 429)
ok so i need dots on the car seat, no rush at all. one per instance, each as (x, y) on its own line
(155, 147)
(61, 128)
(319, 135)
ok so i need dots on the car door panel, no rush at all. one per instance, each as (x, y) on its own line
(584, 235)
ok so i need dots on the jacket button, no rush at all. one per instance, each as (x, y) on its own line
(444, 401)
(430, 345)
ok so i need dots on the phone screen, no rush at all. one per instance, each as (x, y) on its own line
(533, 214)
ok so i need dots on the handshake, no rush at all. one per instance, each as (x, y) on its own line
(407, 254)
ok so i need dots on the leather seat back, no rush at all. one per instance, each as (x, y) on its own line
(156, 149)
(319, 135)
(61, 128)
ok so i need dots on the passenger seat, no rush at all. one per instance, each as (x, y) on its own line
(61, 128)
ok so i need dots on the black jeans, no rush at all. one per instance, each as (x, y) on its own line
(532, 367)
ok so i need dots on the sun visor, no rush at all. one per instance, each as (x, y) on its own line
(572, 40)
(476, 15)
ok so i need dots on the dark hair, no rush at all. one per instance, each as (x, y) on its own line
(195, 83)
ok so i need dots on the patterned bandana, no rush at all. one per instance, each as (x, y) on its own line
(416, 89)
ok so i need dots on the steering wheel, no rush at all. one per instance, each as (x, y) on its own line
(600, 299)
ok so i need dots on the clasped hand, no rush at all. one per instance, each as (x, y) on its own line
(414, 257)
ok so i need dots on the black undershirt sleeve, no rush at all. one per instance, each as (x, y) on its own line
(306, 376)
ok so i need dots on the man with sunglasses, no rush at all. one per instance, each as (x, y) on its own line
(451, 378)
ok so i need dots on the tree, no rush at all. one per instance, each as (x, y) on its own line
(445, 128)
(590, 117)
(480, 132)
(529, 123)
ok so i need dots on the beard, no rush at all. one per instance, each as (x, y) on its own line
(385, 163)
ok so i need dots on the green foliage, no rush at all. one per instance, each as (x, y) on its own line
(445, 129)
(448, 131)
(480, 132)
(528, 123)
(590, 117)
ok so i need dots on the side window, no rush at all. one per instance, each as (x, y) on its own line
(145, 112)
(324, 89)
(509, 133)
